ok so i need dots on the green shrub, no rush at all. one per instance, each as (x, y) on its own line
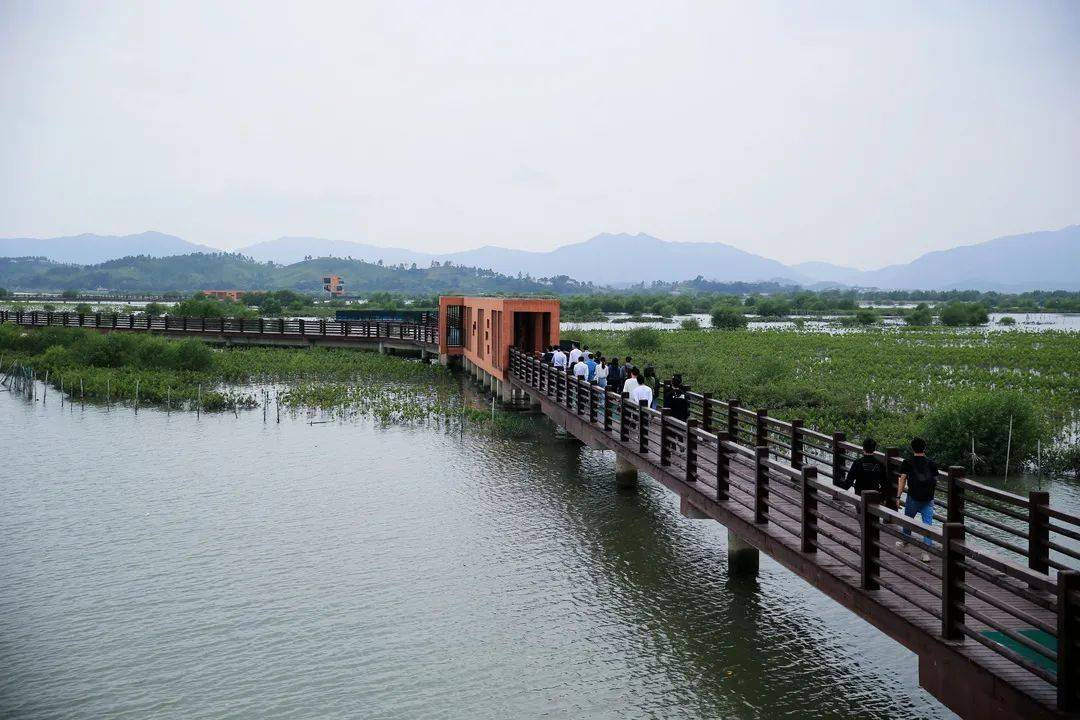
(773, 307)
(84, 309)
(958, 313)
(191, 355)
(919, 315)
(690, 324)
(643, 338)
(950, 427)
(866, 316)
(1008, 320)
(725, 317)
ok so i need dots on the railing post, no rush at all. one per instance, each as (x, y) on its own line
(606, 410)
(1038, 531)
(952, 578)
(624, 429)
(797, 444)
(870, 537)
(301, 326)
(808, 523)
(183, 323)
(954, 500)
(761, 485)
(691, 450)
(837, 459)
(1068, 637)
(890, 477)
(665, 436)
(761, 427)
(592, 402)
(722, 469)
(80, 319)
(202, 325)
(642, 431)
(131, 321)
(706, 412)
(322, 327)
(262, 325)
(733, 420)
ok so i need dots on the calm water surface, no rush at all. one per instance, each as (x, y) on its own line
(159, 566)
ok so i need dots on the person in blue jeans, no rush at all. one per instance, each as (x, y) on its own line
(918, 474)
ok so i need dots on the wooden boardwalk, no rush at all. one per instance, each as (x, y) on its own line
(992, 616)
(261, 331)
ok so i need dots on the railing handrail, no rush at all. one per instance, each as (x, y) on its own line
(761, 474)
(423, 333)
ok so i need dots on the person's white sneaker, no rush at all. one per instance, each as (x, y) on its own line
(926, 557)
(900, 544)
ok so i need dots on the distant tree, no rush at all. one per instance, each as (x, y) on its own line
(69, 294)
(1007, 320)
(866, 316)
(957, 313)
(726, 317)
(690, 323)
(919, 315)
(84, 309)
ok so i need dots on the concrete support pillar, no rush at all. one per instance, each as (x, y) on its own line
(444, 359)
(743, 558)
(689, 511)
(626, 475)
(382, 349)
(507, 392)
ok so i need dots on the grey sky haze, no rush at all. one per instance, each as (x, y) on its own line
(861, 133)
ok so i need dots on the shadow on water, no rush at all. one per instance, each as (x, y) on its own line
(743, 647)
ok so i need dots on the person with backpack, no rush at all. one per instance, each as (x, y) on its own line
(919, 475)
(867, 473)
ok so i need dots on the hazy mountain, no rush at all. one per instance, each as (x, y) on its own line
(624, 258)
(828, 272)
(201, 271)
(1047, 260)
(289, 250)
(89, 248)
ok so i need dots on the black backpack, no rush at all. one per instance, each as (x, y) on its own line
(922, 480)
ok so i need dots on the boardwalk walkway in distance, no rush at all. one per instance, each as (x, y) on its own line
(400, 336)
(993, 617)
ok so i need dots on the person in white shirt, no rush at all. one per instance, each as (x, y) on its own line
(581, 370)
(642, 392)
(559, 359)
(631, 383)
(602, 372)
(575, 353)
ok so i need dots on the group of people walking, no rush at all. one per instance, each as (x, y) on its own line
(617, 374)
(918, 473)
(918, 476)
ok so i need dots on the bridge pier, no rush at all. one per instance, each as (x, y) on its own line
(689, 511)
(743, 558)
(626, 475)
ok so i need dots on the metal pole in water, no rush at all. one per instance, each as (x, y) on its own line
(61, 391)
(108, 390)
(266, 399)
(1008, 449)
(136, 397)
(168, 400)
(45, 388)
(82, 393)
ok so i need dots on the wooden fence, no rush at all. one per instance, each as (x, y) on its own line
(418, 333)
(1003, 566)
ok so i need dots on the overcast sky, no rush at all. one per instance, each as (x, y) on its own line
(862, 133)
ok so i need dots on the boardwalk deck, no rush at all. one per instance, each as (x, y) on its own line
(263, 331)
(778, 496)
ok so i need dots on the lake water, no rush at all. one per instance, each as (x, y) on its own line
(1025, 322)
(164, 566)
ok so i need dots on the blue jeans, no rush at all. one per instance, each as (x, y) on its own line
(602, 382)
(925, 508)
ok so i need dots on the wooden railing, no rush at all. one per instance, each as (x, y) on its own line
(424, 334)
(1003, 565)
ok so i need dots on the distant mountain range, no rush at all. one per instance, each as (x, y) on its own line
(1036, 261)
(88, 249)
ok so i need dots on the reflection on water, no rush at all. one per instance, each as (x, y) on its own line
(168, 566)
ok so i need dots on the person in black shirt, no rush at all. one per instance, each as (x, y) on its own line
(919, 475)
(867, 473)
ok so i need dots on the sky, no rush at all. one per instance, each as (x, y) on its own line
(859, 133)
